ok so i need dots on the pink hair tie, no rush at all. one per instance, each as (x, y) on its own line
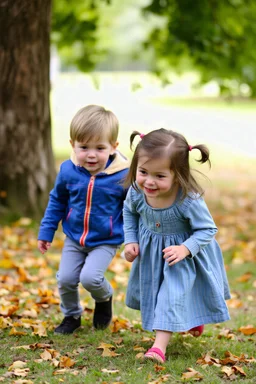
(190, 147)
(142, 135)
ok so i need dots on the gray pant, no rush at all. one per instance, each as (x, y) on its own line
(87, 266)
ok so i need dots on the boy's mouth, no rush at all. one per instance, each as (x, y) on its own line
(91, 163)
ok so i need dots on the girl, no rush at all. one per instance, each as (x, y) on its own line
(178, 280)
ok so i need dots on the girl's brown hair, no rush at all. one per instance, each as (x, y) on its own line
(161, 143)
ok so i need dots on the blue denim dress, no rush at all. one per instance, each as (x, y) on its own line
(193, 291)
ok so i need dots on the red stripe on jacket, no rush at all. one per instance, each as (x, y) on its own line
(87, 211)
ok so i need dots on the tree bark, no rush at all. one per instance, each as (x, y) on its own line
(26, 159)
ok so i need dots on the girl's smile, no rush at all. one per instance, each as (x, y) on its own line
(157, 181)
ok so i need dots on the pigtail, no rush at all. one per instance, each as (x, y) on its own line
(205, 153)
(132, 137)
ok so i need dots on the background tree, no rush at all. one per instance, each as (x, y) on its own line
(26, 158)
(217, 37)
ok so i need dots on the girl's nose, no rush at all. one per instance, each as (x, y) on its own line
(150, 181)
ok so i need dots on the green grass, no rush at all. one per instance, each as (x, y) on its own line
(232, 185)
(182, 352)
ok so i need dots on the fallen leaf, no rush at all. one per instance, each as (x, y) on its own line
(111, 371)
(192, 374)
(247, 330)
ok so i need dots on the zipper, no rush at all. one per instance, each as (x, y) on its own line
(87, 210)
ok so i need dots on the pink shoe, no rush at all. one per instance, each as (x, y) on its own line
(155, 354)
(197, 331)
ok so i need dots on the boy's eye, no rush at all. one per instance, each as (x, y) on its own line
(83, 147)
(101, 148)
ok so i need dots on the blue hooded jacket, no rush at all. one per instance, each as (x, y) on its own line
(90, 207)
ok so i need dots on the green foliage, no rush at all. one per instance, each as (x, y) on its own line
(74, 32)
(214, 37)
(217, 36)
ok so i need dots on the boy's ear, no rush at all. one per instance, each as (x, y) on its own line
(72, 143)
(114, 146)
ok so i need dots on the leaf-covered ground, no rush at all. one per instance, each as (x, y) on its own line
(29, 311)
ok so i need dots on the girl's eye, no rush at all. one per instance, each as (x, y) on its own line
(143, 172)
(161, 176)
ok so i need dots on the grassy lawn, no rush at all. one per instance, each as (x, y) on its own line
(31, 353)
(29, 301)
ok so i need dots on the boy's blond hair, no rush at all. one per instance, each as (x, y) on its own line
(94, 122)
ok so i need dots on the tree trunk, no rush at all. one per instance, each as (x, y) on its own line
(26, 159)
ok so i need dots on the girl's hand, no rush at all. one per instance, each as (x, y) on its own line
(175, 253)
(43, 245)
(131, 251)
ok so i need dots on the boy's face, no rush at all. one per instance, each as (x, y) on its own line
(93, 155)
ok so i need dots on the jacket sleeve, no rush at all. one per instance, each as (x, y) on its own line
(131, 219)
(202, 226)
(55, 211)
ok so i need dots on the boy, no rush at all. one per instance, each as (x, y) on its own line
(88, 197)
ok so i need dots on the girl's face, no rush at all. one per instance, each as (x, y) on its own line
(156, 180)
(93, 155)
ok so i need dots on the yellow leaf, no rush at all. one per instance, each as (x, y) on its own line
(247, 330)
(7, 264)
(244, 278)
(234, 303)
(227, 370)
(40, 330)
(17, 364)
(109, 353)
(137, 348)
(140, 356)
(66, 362)
(14, 332)
(23, 221)
(104, 345)
(239, 370)
(62, 371)
(4, 323)
(46, 355)
(192, 374)
(111, 371)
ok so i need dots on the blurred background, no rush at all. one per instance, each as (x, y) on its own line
(185, 65)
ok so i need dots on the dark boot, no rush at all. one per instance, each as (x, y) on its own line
(102, 314)
(68, 325)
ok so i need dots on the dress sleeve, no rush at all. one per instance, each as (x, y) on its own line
(131, 218)
(55, 210)
(202, 225)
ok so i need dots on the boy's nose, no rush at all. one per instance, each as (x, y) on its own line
(91, 154)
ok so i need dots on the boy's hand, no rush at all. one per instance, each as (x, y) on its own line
(43, 245)
(131, 251)
(175, 253)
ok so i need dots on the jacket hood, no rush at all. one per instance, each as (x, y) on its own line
(119, 163)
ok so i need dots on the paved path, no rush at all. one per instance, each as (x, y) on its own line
(226, 129)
